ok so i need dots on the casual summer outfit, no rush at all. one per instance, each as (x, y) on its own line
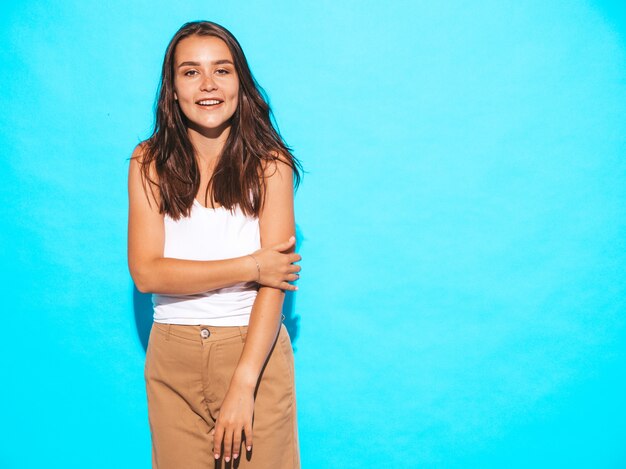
(194, 347)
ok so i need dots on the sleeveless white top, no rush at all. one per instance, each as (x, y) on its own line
(209, 234)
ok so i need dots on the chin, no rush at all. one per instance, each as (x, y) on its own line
(209, 126)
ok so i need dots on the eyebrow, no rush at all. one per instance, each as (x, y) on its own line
(197, 64)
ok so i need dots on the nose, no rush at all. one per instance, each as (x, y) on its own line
(207, 83)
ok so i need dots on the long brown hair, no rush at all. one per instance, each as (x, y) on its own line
(238, 175)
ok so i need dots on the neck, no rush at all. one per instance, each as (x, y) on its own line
(208, 143)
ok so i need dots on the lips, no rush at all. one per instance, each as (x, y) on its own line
(209, 102)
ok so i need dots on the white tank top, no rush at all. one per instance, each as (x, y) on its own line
(209, 234)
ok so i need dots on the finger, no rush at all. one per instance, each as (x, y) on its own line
(295, 268)
(248, 434)
(217, 441)
(228, 443)
(285, 245)
(236, 444)
(294, 257)
(288, 286)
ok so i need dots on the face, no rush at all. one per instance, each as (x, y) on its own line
(206, 84)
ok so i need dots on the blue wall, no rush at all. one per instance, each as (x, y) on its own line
(462, 225)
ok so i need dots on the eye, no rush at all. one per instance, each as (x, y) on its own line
(190, 73)
(225, 72)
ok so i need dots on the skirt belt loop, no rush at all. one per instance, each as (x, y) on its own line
(243, 330)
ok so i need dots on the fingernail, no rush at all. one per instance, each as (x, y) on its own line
(296, 288)
(249, 448)
(217, 456)
(227, 458)
(292, 238)
(235, 456)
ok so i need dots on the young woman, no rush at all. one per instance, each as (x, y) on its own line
(211, 236)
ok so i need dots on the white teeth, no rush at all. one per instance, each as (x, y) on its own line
(209, 102)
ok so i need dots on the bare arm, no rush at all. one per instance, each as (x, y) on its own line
(154, 273)
(276, 222)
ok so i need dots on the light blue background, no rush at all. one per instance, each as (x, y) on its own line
(462, 225)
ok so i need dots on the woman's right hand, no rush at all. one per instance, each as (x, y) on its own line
(276, 268)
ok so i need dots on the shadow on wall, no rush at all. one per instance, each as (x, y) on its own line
(142, 306)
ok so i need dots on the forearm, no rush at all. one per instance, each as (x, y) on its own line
(265, 320)
(186, 277)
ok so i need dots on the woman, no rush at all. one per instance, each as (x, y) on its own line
(211, 236)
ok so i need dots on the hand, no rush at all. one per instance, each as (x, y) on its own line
(234, 416)
(276, 268)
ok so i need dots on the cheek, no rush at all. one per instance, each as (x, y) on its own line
(182, 91)
(234, 90)
(234, 97)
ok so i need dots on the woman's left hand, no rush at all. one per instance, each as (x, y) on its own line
(234, 416)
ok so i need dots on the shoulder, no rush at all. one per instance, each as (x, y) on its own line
(142, 174)
(142, 161)
(139, 154)
(277, 164)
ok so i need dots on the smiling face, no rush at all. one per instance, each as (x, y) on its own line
(206, 84)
